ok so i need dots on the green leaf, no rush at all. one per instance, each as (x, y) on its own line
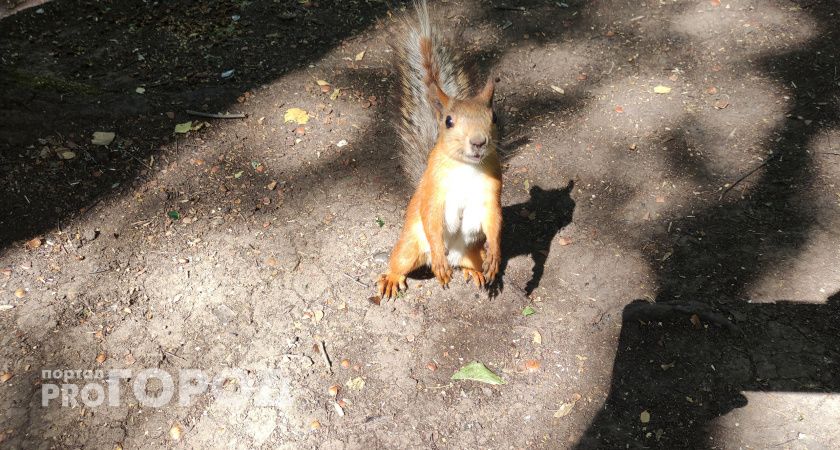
(182, 128)
(528, 311)
(380, 222)
(174, 215)
(476, 371)
(238, 175)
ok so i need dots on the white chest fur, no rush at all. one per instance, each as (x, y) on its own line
(464, 210)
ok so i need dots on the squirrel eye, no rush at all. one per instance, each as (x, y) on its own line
(448, 122)
(494, 117)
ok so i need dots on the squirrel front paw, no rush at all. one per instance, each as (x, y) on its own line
(389, 284)
(491, 264)
(477, 277)
(441, 269)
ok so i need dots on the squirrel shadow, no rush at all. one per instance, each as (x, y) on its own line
(529, 228)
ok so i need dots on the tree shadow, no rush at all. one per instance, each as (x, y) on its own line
(687, 358)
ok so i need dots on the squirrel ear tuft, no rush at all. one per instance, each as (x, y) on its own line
(486, 94)
(438, 99)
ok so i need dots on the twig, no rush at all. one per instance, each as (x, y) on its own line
(324, 356)
(743, 177)
(509, 8)
(354, 279)
(215, 115)
(830, 153)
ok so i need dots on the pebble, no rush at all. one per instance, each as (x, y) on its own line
(381, 257)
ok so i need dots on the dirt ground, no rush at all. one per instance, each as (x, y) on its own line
(672, 215)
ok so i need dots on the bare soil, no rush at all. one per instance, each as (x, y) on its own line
(680, 249)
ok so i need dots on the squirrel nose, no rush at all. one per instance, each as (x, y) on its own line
(478, 141)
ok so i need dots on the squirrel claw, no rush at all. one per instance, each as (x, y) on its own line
(477, 277)
(389, 285)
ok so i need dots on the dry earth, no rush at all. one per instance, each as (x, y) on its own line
(678, 303)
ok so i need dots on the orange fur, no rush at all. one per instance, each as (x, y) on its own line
(423, 241)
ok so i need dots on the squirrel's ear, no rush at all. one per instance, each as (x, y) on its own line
(438, 99)
(486, 94)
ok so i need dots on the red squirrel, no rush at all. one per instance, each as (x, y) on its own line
(454, 218)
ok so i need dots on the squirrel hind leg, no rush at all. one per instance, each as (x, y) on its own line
(405, 258)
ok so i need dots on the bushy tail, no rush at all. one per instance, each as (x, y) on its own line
(424, 63)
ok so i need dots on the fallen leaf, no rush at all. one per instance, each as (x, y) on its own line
(20, 293)
(644, 417)
(711, 90)
(335, 94)
(376, 300)
(296, 115)
(318, 316)
(721, 104)
(66, 154)
(271, 186)
(315, 425)
(564, 410)
(102, 138)
(619, 109)
(564, 240)
(528, 311)
(695, 321)
(356, 384)
(338, 409)
(322, 82)
(360, 55)
(537, 338)
(532, 365)
(100, 358)
(431, 366)
(175, 432)
(183, 128)
(33, 243)
(477, 371)
(662, 89)
(174, 215)
(5, 376)
(140, 90)
(333, 390)
(557, 89)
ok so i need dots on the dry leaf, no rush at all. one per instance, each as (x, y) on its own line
(644, 417)
(315, 425)
(322, 82)
(360, 55)
(100, 358)
(721, 104)
(532, 365)
(564, 240)
(537, 338)
(102, 138)
(356, 384)
(5, 376)
(566, 408)
(662, 89)
(20, 293)
(557, 89)
(175, 432)
(695, 321)
(33, 243)
(333, 390)
(335, 94)
(296, 115)
(318, 316)
(711, 90)
(619, 109)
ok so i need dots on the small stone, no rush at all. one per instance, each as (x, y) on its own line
(90, 234)
(380, 258)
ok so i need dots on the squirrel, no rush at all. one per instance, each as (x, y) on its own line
(454, 218)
